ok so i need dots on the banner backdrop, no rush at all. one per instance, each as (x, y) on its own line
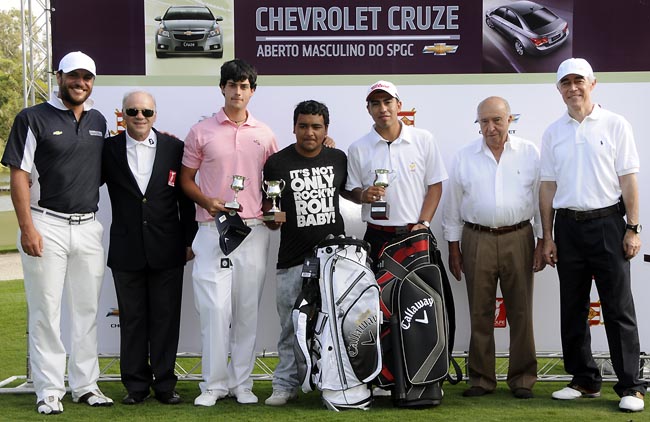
(612, 38)
(319, 37)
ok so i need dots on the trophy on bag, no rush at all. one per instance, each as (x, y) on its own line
(273, 190)
(379, 209)
(237, 185)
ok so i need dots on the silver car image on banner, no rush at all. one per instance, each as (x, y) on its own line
(530, 28)
(189, 30)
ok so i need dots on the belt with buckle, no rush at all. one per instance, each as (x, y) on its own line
(391, 229)
(498, 230)
(252, 222)
(587, 215)
(72, 219)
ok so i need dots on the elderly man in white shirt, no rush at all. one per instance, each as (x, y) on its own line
(492, 197)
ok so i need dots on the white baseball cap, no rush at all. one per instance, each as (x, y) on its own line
(385, 86)
(575, 66)
(77, 60)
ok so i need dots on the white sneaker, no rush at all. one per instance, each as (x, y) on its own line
(208, 398)
(244, 395)
(280, 398)
(51, 405)
(573, 392)
(632, 401)
(93, 398)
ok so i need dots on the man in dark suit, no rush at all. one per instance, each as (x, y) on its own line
(151, 233)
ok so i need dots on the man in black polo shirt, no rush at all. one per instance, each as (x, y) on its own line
(56, 148)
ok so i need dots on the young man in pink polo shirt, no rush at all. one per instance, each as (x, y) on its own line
(228, 288)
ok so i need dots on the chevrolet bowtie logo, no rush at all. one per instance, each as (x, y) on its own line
(187, 33)
(439, 49)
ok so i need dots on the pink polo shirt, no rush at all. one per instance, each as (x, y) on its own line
(219, 149)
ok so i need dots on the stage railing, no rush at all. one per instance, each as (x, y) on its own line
(188, 368)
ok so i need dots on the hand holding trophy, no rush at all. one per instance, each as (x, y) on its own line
(379, 209)
(237, 185)
(273, 190)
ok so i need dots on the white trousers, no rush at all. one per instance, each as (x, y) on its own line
(71, 270)
(227, 297)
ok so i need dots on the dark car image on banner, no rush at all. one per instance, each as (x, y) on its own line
(525, 36)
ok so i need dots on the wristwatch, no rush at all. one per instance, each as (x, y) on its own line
(425, 223)
(636, 228)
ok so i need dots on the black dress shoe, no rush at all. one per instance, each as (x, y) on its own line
(168, 397)
(476, 391)
(135, 397)
(523, 393)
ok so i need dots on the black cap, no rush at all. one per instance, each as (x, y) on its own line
(232, 231)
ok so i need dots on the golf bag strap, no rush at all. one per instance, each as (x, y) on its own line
(341, 241)
(451, 318)
(394, 267)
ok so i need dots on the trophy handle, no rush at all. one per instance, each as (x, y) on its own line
(282, 185)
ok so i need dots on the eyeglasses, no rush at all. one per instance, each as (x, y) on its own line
(132, 112)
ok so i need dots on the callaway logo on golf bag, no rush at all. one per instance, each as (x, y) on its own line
(411, 311)
(336, 321)
(364, 329)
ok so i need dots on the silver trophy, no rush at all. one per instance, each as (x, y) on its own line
(379, 209)
(236, 185)
(273, 190)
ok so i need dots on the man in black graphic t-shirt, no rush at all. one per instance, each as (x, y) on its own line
(314, 177)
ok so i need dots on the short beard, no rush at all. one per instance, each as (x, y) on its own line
(67, 98)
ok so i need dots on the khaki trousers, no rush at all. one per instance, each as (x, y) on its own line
(507, 259)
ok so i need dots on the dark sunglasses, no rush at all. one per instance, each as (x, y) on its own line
(134, 112)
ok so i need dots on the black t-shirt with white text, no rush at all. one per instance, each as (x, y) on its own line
(310, 199)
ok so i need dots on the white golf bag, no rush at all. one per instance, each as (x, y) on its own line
(337, 321)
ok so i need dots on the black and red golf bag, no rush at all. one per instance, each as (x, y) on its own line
(418, 327)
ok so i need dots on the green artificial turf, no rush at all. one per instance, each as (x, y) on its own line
(8, 231)
(500, 406)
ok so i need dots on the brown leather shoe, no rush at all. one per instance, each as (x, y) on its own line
(476, 391)
(522, 393)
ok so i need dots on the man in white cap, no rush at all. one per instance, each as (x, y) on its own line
(588, 182)
(415, 164)
(56, 148)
